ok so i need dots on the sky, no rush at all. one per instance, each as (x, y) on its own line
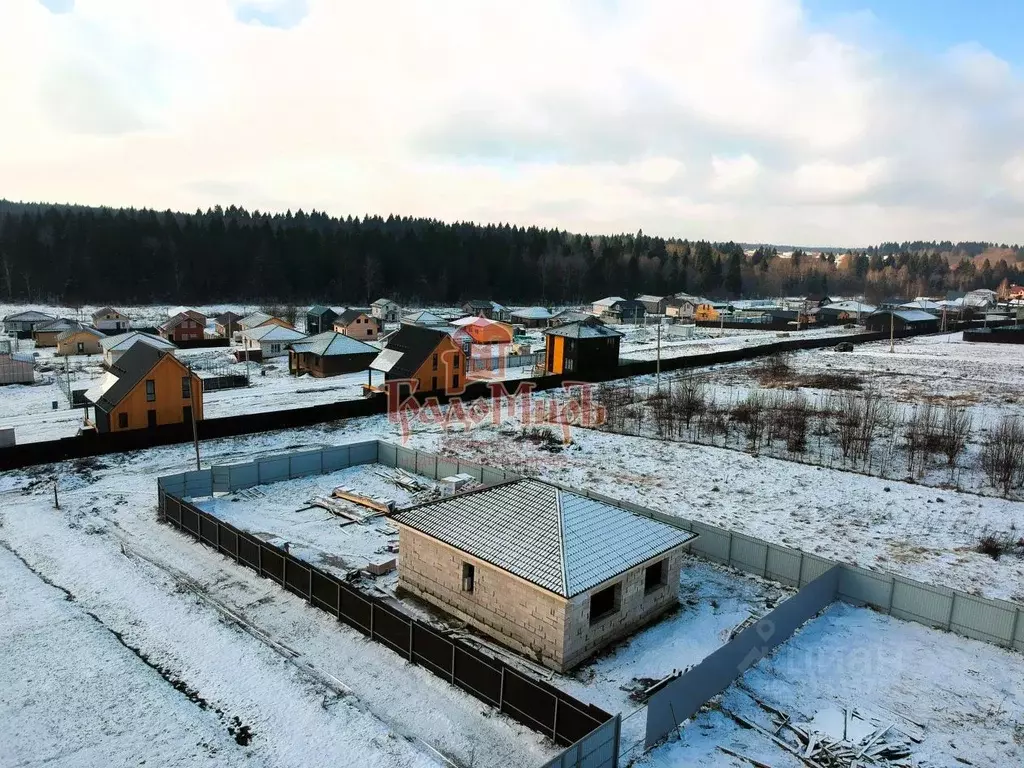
(806, 122)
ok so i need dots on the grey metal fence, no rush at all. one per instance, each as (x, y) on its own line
(684, 696)
(598, 749)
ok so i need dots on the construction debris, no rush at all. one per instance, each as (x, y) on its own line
(379, 504)
(842, 737)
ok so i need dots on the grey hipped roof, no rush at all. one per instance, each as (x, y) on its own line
(30, 316)
(130, 369)
(556, 539)
(350, 314)
(583, 329)
(908, 315)
(75, 331)
(332, 343)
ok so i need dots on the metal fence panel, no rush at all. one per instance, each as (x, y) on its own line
(228, 541)
(354, 609)
(406, 459)
(249, 551)
(296, 577)
(784, 565)
(173, 484)
(172, 509)
(273, 470)
(685, 695)
(926, 605)
(446, 468)
(815, 566)
(982, 619)
(221, 479)
(470, 468)
(862, 587)
(305, 463)
(208, 528)
(432, 650)
(335, 458)
(491, 476)
(391, 628)
(426, 464)
(387, 454)
(1018, 635)
(189, 519)
(271, 563)
(749, 554)
(323, 591)
(711, 542)
(477, 676)
(527, 702)
(198, 483)
(364, 452)
(598, 749)
(244, 475)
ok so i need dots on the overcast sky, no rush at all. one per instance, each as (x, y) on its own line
(824, 122)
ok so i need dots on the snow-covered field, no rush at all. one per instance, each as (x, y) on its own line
(640, 342)
(311, 689)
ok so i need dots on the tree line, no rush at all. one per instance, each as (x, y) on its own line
(74, 255)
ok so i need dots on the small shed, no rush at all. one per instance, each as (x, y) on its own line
(902, 319)
(16, 368)
(542, 569)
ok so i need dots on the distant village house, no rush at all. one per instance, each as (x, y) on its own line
(80, 341)
(582, 347)
(329, 354)
(21, 324)
(427, 356)
(357, 324)
(385, 310)
(110, 319)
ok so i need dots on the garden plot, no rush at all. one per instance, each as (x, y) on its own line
(640, 342)
(946, 700)
(330, 532)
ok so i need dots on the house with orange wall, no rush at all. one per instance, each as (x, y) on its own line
(427, 356)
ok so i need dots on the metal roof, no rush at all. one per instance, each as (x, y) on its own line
(423, 317)
(551, 537)
(408, 348)
(254, 319)
(331, 344)
(127, 340)
(350, 314)
(75, 331)
(583, 329)
(909, 315)
(60, 324)
(607, 301)
(532, 313)
(31, 316)
(273, 332)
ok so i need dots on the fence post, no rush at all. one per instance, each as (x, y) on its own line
(728, 557)
(410, 640)
(554, 723)
(800, 573)
(1013, 629)
(767, 546)
(501, 689)
(453, 663)
(618, 739)
(892, 591)
(952, 605)
(371, 618)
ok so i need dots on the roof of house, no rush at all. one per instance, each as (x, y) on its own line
(382, 303)
(908, 315)
(332, 344)
(30, 316)
(423, 317)
(72, 332)
(349, 315)
(532, 313)
(59, 325)
(407, 348)
(648, 297)
(923, 304)
(22, 357)
(628, 304)
(184, 310)
(590, 328)
(572, 315)
(607, 301)
(254, 319)
(850, 306)
(273, 332)
(319, 310)
(107, 311)
(475, 320)
(126, 373)
(479, 304)
(177, 320)
(124, 341)
(554, 538)
(227, 317)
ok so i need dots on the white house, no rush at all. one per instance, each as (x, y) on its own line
(385, 310)
(269, 341)
(110, 319)
(115, 346)
(603, 305)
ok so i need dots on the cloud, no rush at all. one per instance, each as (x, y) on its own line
(675, 116)
(284, 14)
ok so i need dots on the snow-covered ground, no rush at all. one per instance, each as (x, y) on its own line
(968, 696)
(640, 342)
(311, 690)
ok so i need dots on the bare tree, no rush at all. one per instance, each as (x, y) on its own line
(956, 431)
(1002, 455)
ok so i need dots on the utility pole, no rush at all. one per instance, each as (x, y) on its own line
(721, 326)
(192, 410)
(658, 367)
(892, 330)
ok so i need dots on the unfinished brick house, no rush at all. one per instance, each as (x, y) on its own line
(547, 572)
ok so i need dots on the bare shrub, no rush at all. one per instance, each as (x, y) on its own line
(794, 417)
(775, 369)
(848, 425)
(923, 437)
(1002, 455)
(689, 397)
(995, 544)
(955, 432)
(751, 414)
(839, 381)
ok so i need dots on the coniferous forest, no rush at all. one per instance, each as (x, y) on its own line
(75, 255)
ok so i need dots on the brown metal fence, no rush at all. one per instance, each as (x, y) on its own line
(533, 703)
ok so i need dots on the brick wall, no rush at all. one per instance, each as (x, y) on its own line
(528, 619)
(635, 609)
